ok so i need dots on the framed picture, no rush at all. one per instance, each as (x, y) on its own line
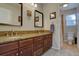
(53, 15)
(38, 19)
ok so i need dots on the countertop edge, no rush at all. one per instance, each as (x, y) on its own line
(22, 39)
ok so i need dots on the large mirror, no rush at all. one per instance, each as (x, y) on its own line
(11, 14)
(38, 19)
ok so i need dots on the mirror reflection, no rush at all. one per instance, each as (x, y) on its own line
(10, 13)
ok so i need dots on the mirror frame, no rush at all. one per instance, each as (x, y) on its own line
(35, 19)
(21, 13)
(21, 23)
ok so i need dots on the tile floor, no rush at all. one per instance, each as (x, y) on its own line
(66, 50)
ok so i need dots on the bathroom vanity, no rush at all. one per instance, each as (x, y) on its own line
(27, 45)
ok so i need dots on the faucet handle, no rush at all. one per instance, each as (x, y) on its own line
(14, 33)
(7, 34)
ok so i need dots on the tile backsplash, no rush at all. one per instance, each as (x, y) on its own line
(4, 33)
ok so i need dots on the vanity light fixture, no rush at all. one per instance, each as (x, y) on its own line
(65, 5)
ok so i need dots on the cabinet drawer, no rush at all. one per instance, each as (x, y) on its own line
(38, 40)
(39, 46)
(8, 46)
(25, 42)
(11, 53)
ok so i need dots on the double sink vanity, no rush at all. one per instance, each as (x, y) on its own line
(32, 44)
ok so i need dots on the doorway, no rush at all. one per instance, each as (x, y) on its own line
(69, 28)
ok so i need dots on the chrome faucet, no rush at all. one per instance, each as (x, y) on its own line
(12, 32)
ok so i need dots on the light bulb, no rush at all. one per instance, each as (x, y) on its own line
(65, 5)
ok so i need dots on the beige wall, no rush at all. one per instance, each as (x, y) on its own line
(28, 22)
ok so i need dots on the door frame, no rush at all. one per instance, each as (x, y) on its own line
(62, 26)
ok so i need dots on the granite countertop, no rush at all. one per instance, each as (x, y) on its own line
(20, 37)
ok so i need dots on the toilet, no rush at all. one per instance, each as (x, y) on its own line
(70, 37)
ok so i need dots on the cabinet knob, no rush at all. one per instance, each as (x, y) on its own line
(16, 54)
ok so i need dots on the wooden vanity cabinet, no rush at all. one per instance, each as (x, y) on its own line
(9, 49)
(26, 47)
(38, 46)
(35, 46)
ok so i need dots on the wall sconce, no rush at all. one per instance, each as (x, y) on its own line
(29, 13)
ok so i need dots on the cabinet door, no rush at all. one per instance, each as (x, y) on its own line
(26, 47)
(38, 45)
(8, 47)
(45, 44)
(11, 53)
(26, 51)
(49, 41)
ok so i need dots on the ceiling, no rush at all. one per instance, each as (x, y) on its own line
(70, 6)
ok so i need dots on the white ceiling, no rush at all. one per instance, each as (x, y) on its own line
(70, 6)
